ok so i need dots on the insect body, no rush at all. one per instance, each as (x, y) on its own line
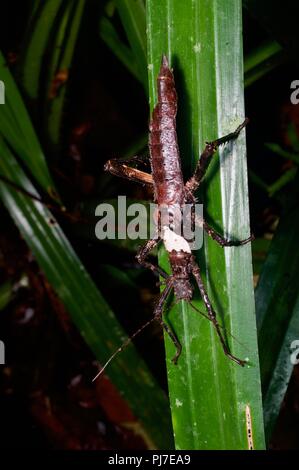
(171, 192)
(168, 178)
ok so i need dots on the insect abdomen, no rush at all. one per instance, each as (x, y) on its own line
(164, 151)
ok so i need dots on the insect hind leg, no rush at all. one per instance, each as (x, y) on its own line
(212, 315)
(158, 312)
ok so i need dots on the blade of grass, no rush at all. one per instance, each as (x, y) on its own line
(262, 60)
(35, 45)
(258, 63)
(276, 148)
(109, 35)
(33, 9)
(88, 309)
(17, 129)
(282, 181)
(209, 395)
(262, 53)
(132, 15)
(50, 46)
(277, 306)
(275, 187)
(62, 47)
(258, 181)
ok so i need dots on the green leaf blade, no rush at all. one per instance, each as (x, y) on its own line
(132, 14)
(210, 395)
(39, 30)
(123, 53)
(17, 129)
(60, 60)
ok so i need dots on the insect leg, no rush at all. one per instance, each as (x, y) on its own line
(222, 241)
(232, 135)
(175, 341)
(158, 315)
(143, 253)
(212, 314)
(119, 168)
(205, 158)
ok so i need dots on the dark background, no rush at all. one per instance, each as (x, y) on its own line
(46, 398)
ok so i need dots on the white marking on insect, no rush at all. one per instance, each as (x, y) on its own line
(174, 242)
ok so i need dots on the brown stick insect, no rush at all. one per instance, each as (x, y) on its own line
(171, 192)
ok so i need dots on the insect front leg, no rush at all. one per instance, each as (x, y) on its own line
(205, 158)
(222, 241)
(144, 251)
(212, 314)
(120, 168)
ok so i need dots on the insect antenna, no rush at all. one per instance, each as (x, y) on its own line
(123, 346)
(220, 326)
(157, 316)
(199, 311)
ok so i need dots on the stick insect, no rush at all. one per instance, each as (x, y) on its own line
(171, 192)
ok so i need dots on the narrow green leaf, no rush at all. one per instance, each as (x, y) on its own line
(209, 394)
(277, 306)
(118, 276)
(33, 9)
(109, 35)
(17, 129)
(276, 148)
(262, 60)
(62, 49)
(275, 187)
(88, 309)
(35, 44)
(285, 179)
(258, 181)
(262, 53)
(132, 15)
